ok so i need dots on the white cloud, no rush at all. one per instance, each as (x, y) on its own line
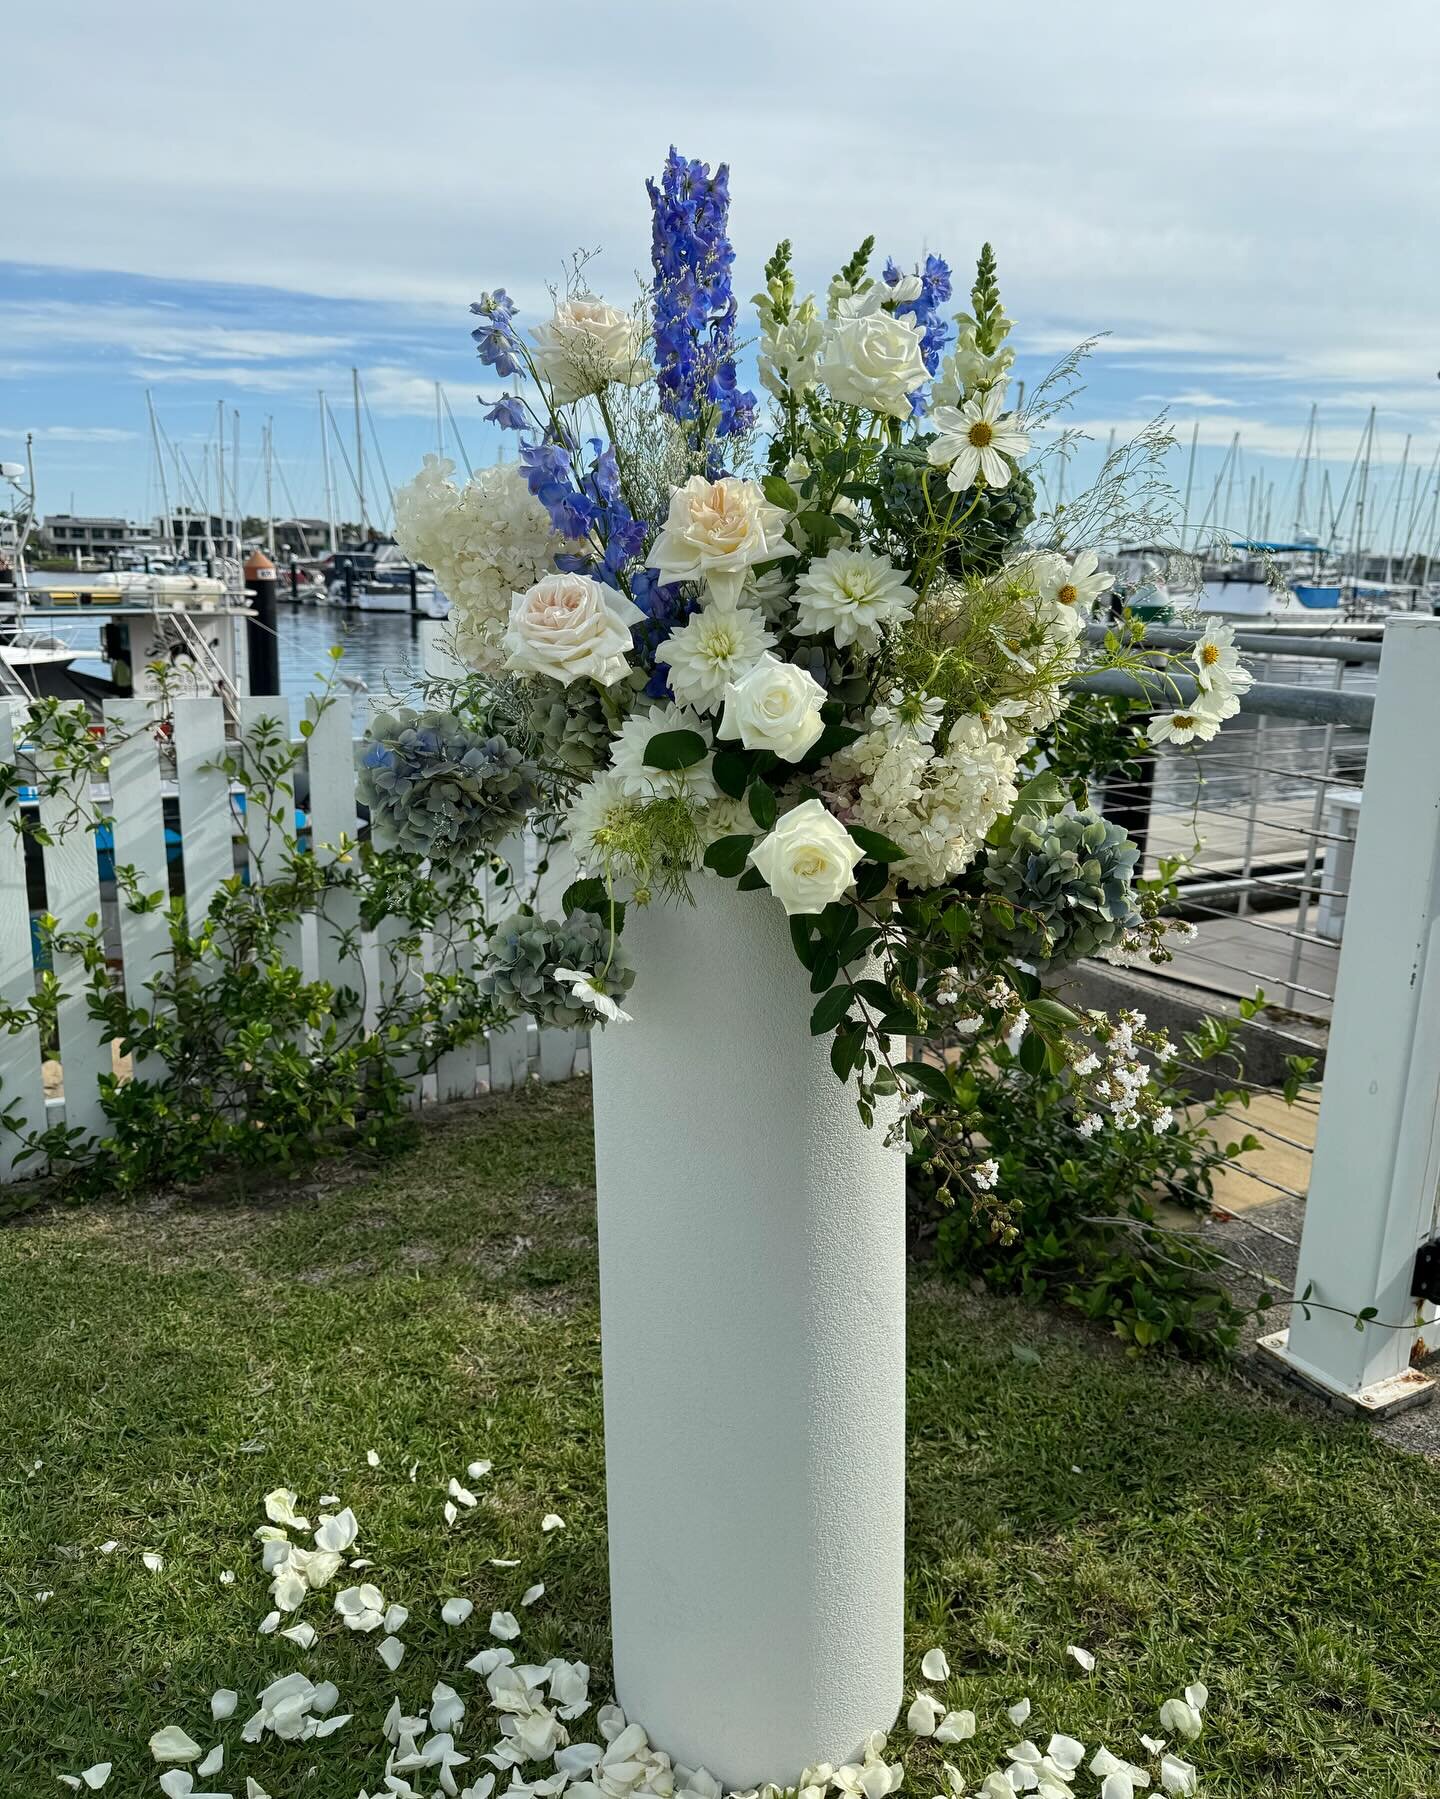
(68, 434)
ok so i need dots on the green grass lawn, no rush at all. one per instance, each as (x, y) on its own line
(166, 1365)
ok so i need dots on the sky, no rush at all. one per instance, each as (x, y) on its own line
(232, 207)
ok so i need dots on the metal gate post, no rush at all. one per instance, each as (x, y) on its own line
(1376, 1172)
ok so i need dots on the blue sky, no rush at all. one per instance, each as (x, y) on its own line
(236, 207)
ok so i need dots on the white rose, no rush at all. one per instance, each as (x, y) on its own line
(586, 346)
(774, 707)
(568, 626)
(808, 860)
(874, 361)
(715, 531)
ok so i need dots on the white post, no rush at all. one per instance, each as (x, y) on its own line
(1376, 1172)
(752, 1290)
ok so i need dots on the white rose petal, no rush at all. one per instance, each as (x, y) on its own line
(372, 1458)
(1082, 1656)
(396, 1617)
(571, 628)
(222, 1703)
(212, 1763)
(500, 1561)
(280, 1509)
(227, 1577)
(531, 1594)
(253, 1789)
(924, 1714)
(776, 707)
(456, 1611)
(1180, 1716)
(955, 1727)
(1018, 1712)
(303, 1634)
(504, 1625)
(177, 1783)
(268, 1625)
(331, 1725)
(449, 1512)
(462, 1495)
(391, 1652)
(152, 1561)
(337, 1534)
(808, 860)
(109, 1547)
(1178, 1776)
(935, 1665)
(478, 1470)
(552, 1521)
(172, 1745)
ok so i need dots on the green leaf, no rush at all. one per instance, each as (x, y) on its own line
(750, 880)
(762, 805)
(831, 1009)
(800, 937)
(848, 1050)
(1050, 1011)
(819, 527)
(1032, 1053)
(592, 895)
(727, 855)
(675, 749)
(870, 880)
(1041, 793)
(876, 847)
(928, 1079)
(732, 771)
(779, 492)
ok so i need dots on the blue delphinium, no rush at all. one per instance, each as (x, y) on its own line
(935, 290)
(666, 608)
(495, 336)
(585, 504)
(510, 413)
(695, 308)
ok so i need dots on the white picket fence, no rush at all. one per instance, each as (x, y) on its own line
(212, 845)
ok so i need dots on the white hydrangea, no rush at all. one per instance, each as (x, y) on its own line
(935, 803)
(485, 541)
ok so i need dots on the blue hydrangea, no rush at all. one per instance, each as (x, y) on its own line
(694, 306)
(495, 336)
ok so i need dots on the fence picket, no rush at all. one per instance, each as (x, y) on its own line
(206, 821)
(332, 816)
(22, 1086)
(72, 895)
(510, 1045)
(138, 822)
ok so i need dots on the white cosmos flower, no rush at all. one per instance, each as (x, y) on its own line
(852, 593)
(716, 531)
(584, 988)
(775, 707)
(935, 1665)
(872, 358)
(571, 627)
(1075, 585)
(717, 645)
(808, 860)
(1191, 724)
(1217, 661)
(975, 440)
(587, 345)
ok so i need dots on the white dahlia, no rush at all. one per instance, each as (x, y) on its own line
(852, 593)
(639, 781)
(719, 644)
(601, 805)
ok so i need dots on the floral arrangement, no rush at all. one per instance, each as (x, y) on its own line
(808, 652)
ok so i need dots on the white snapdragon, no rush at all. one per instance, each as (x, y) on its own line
(968, 370)
(588, 345)
(775, 707)
(808, 859)
(485, 542)
(872, 358)
(571, 627)
(716, 531)
(721, 643)
(852, 593)
(790, 352)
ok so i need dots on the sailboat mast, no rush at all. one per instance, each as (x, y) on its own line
(160, 468)
(329, 485)
(439, 424)
(1305, 455)
(269, 487)
(359, 450)
(1189, 480)
(1360, 496)
(1395, 513)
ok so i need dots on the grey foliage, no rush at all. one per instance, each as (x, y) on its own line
(1071, 879)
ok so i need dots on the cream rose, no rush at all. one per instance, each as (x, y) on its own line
(716, 531)
(808, 860)
(568, 626)
(873, 360)
(774, 707)
(586, 346)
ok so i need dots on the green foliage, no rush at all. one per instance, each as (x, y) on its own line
(1083, 1230)
(909, 495)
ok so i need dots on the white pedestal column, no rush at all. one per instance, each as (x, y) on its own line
(752, 1318)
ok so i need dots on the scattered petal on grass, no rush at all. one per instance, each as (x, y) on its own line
(447, 1708)
(552, 1521)
(1019, 1712)
(331, 1725)
(504, 1625)
(1082, 1656)
(280, 1509)
(396, 1617)
(1152, 1745)
(152, 1561)
(212, 1763)
(924, 1714)
(1119, 1783)
(955, 1727)
(222, 1703)
(172, 1745)
(177, 1784)
(1177, 1776)
(324, 1698)
(329, 1499)
(414, 1470)
(362, 1608)
(499, 1561)
(531, 1594)
(391, 1652)
(450, 1512)
(227, 1577)
(1182, 1716)
(935, 1665)
(96, 1777)
(361, 1562)
(456, 1611)
(253, 1788)
(303, 1634)
(268, 1625)
(1067, 1753)
(478, 1470)
(461, 1495)
(489, 1660)
(109, 1547)
(372, 1458)
(337, 1534)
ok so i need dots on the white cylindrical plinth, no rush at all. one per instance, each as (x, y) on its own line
(752, 1321)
